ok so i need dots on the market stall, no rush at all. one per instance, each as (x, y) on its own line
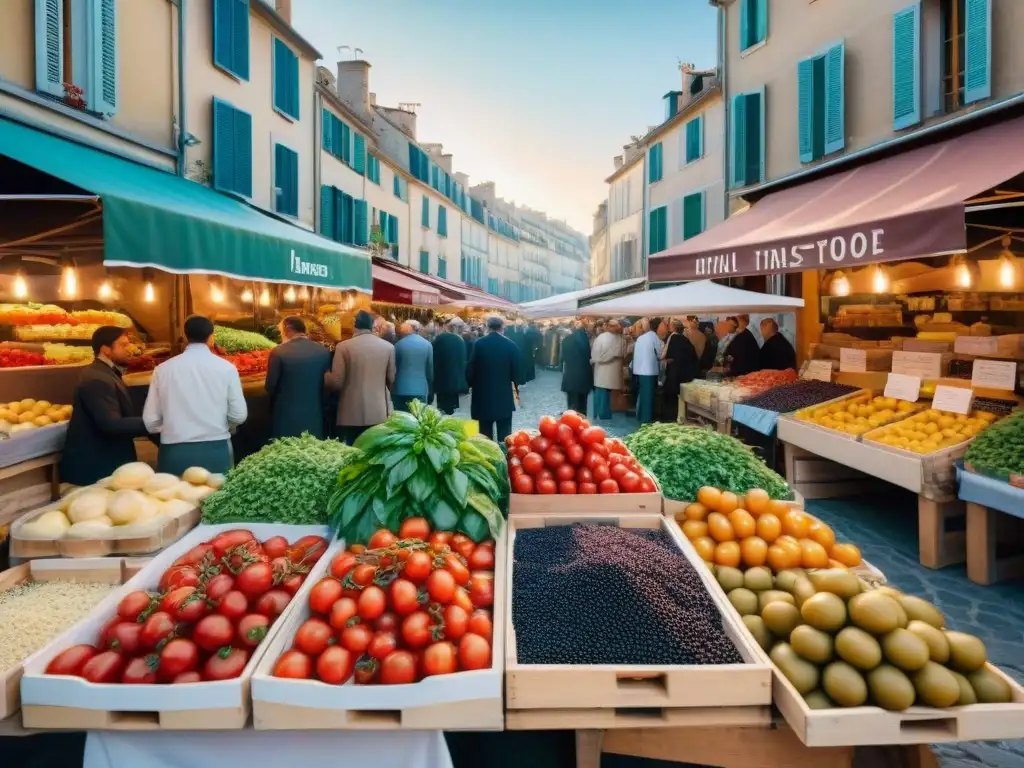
(566, 305)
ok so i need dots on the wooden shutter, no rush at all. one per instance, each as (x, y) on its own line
(344, 142)
(359, 160)
(978, 51)
(327, 132)
(286, 180)
(805, 109)
(746, 24)
(327, 211)
(693, 215)
(49, 20)
(345, 219)
(442, 221)
(906, 67)
(761, 22)
(424, 261)
(835, 98)
(393, 232)
(360, 235)
(223, 146)
(425, 212)
(738, 155)
(396, 185)
(240, 38)
(243, 152)
(101, 80)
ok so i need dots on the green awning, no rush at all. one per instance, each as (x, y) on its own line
(155, 219)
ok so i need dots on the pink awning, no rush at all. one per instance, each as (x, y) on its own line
(460, 294)
(397, 288)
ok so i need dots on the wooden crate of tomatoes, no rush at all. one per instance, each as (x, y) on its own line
(566, 458)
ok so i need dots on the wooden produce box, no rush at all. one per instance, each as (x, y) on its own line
(103, 570)
(61, 702)
(463, 701)
(613, 503)
(606, 696)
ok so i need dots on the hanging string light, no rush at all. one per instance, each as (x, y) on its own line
(106, 290)
(20, 286)
(289, 294)
(840, 284)
(265, 297)
(69, 281)
(961, 272)
(880, 280)
(247, 295)
(148, 291)
(304, 293)
(216, 294)
(1007, 265)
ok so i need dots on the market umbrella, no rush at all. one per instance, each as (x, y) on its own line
(702, 297)
(567, 304)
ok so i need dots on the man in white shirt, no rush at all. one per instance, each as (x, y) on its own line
(194, 400)
(646, 367)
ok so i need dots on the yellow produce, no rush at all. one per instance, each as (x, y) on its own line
(859, 413)
(932, 430)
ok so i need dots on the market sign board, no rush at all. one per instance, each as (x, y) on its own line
(821, 370)
(980, 346)
(903, 387)
(953, 399)
(853, 360)
(924, 365)
(994, 374)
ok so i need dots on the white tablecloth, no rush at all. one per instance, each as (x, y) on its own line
(266, 749)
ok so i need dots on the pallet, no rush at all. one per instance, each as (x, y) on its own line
(611, 687)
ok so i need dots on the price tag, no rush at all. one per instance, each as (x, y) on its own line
(953, 399)
(994, 374)
(924, 365)
(819, 369)
(976, 345)
(903, 387)
(853, 360)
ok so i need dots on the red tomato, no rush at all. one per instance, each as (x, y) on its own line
(124, 638)
(228, 540)
(566, 435)
(219, 586)
(481, 589)
(308, 549)
(565, 472)
(533, 463)
(178, 656)
(567, 487)
(398, 668)
(617, 446)
(71, 660)
(545, 474)
(540, 444)
(592, 435)
(629, 482)
(103, 668)
(600, 449)
(456, 621)
(157, 627)
(314, 636)
(367, 672)
(588, 489)
(618, 471)
(323, 595)
(514, 463)
(195, 555)
(178, 576)
(417, 630)
(292, 583)
(608, 486)
(647, 485)
(382, 539)
(439, 539)
(382, 644)
(388, 622)
(584, 475)
(356, 638)
(417, 567)
(482, 559)
(584, 425)
(252, 629)
(520, 451)
(592, 460)
(187, 677)
(614, 459)
(601, 473)
(364, 574)
(185, 604)
(404, 596)
(508, 442)
(571, 419)
(521, 438)
(371, 603)
(439, 659)
(233, 605)
(414, 528)
(213, 632)
(225, 664)
(255, 579)
(142, 669)
(342, 564)
(515, 472)
(104, 635)
(461, 599)
(474, 652)
(480, 624)
(456, 566)
(294, 665)
(441, 586)
(344, 608)
(548, 426)
(575, 453)
(462, 544)
(547, 487)
(335, 665)
(133, 604)
(522, 484)
(272, 604)
(275, 546)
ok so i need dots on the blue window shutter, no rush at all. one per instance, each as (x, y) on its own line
(738, 155)
(240, 38)
(294, 88)
(286, 79)
(433, 177)
(396, 185)
(442, 221)
(102, 76)
(327, 211)
(654, 164)
(761, 25)
(286, 180)
(223, 23)
(393, 232)
(835, 98)
(49, 47)
(277, 84)
(360, 233)
(442, 267)
(327, 131)
(906, 67)
(359, 161)
(223, 146)
(384, 224)
(805, 109)
(978, 51)
(746, 24)
(345, 142)
(756, 172)
(243, 152)
(425, 212)
(424, 261)
(280, 171)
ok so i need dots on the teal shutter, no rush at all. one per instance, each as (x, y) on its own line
(658, 236)
(805, 109)
(396, 185)
(424, 261)
(393, 233)
(344, 142)
(384, 224)
(442, 221)
(327, 132)
(231, 36)
(442, 267)
(373, 168)
(360, 235)
(345, 217)
(49, 47)
(223, 146)
(754, 132)
(102, 76)
(327, 211)
(835, 98)
(286, 79)
(761, 23)
(243, 153)
(746, 24)
(425, 212)
(693, 215)
(359, 161)
(906, 67)
(286, 180)
(738, 155)
(240, 38)
(978, 51)
(654, 169)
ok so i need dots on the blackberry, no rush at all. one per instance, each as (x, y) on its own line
(797, 396)
(597, 594)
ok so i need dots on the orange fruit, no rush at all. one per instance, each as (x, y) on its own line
(796, 524)
(705, 547)
(709, 496)
(768, 527)
(757, 501)
(835, 564)
(781, 558)
(695, 529)
(695, 511)
(847, 554)
(812, 554)
(754, 551)
(727, 502)
(743, 524)
(719, 528)
(822, 534)
(778, 508)
(727, 553)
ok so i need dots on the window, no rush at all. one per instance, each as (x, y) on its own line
(746, 159)
(419, 163)
(231, 37)
(442, 221)
(671, 104)
(492, 286)
(694, 137)
(692, 210)
(342, 218)
(76, 43)
(399, 186)
(286, 180)
(232, 149)
(442, 267)
(820, 104)
(434, 176)
(753, 23)
(286, 80)
(657, 237)
(966, 52)
(476, 210)
(358, 153)
(425, 212)
(906, 67)
(373, 169)
(337, 139)
(424, 261)
(654, 164)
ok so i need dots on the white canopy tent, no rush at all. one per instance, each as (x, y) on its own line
(567, 304)
(703, 297)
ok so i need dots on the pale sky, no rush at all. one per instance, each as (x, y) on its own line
(535, 95)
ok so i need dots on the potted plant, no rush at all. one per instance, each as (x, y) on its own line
(74, 96)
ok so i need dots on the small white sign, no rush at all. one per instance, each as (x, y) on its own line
(853, 360)
(994, 374)
(924, 365)
(819, 369)
(903, 387)
(976, 345)
(953, 399)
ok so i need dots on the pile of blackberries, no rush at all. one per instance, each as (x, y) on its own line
(597, 594)
(799, 395)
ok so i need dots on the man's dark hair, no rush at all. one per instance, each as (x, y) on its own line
(364, 321)
(105, 336)
(294, 324)
(495, 323)
(654, 323)
(198, 329)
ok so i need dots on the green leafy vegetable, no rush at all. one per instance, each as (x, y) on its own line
(233, 341)
(999, 450)
(288, 481)
(686, 458)
(421, 464)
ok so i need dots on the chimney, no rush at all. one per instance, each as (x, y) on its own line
(284, 9)
(405, 119)
(324, 76)
(462, 178)
(433, 149)
(354, 84)
(446, 162)
(373, 99)
(617, 162)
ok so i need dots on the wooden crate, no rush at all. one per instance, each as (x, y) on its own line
(463, 701)
(607, 719)
(612, 503)
(611, 687)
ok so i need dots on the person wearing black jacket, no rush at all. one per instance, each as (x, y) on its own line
(577, 374)
(493, 372)
(103, 426)
(295, 382)
(777, 354)
(743, 355)
(449, 368)
(681, 364)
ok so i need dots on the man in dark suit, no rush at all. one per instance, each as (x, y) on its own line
(743, 355)
(103, 427)
(534, 343)
(777, 354)
(577, 373)
(295, 382)
(449, 368)
(492, 373)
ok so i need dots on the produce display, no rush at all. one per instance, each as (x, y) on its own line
(214, 607)
(134, 501)
(250, 363)
(232, 341)
(569, 456)
(842, 642)
(66, 354)
(23, 415)
(33, 613)
(597, 594)
(51, 314)
(70, 331)
(992, 405)
(19, 358)
(999, 451)
(932, 430)
(287, 481)
(421, 464)
(859, 414)
(684, 459)
(407, 607)
(753, 530)
(798, 395)
(760, 381)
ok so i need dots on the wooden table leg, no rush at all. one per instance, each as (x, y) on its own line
(588, 749)
(939, 548)
(981, 544)
(55, 481)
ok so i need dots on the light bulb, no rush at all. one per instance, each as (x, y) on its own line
(880, 280)
(840, 284)
(149, 293)
(963, 276)
(216, 294)
(105, 291)
(247, 295)
(69, 282)
(20, 286)
(289, 295)
(304, 293)
(265, 298)
(1007, 273)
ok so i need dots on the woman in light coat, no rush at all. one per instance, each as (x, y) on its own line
(607, 355)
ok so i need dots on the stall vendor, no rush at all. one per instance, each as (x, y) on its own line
(777, 354)
(194, 401)
(742, 356)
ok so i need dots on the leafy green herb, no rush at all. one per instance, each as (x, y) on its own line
(233, 341)
(999, 450)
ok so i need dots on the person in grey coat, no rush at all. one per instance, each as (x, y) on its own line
(295, 382)
(414, 364)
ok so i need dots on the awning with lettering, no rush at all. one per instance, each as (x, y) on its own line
(900, 207)
(398, 288)
(156, 219)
